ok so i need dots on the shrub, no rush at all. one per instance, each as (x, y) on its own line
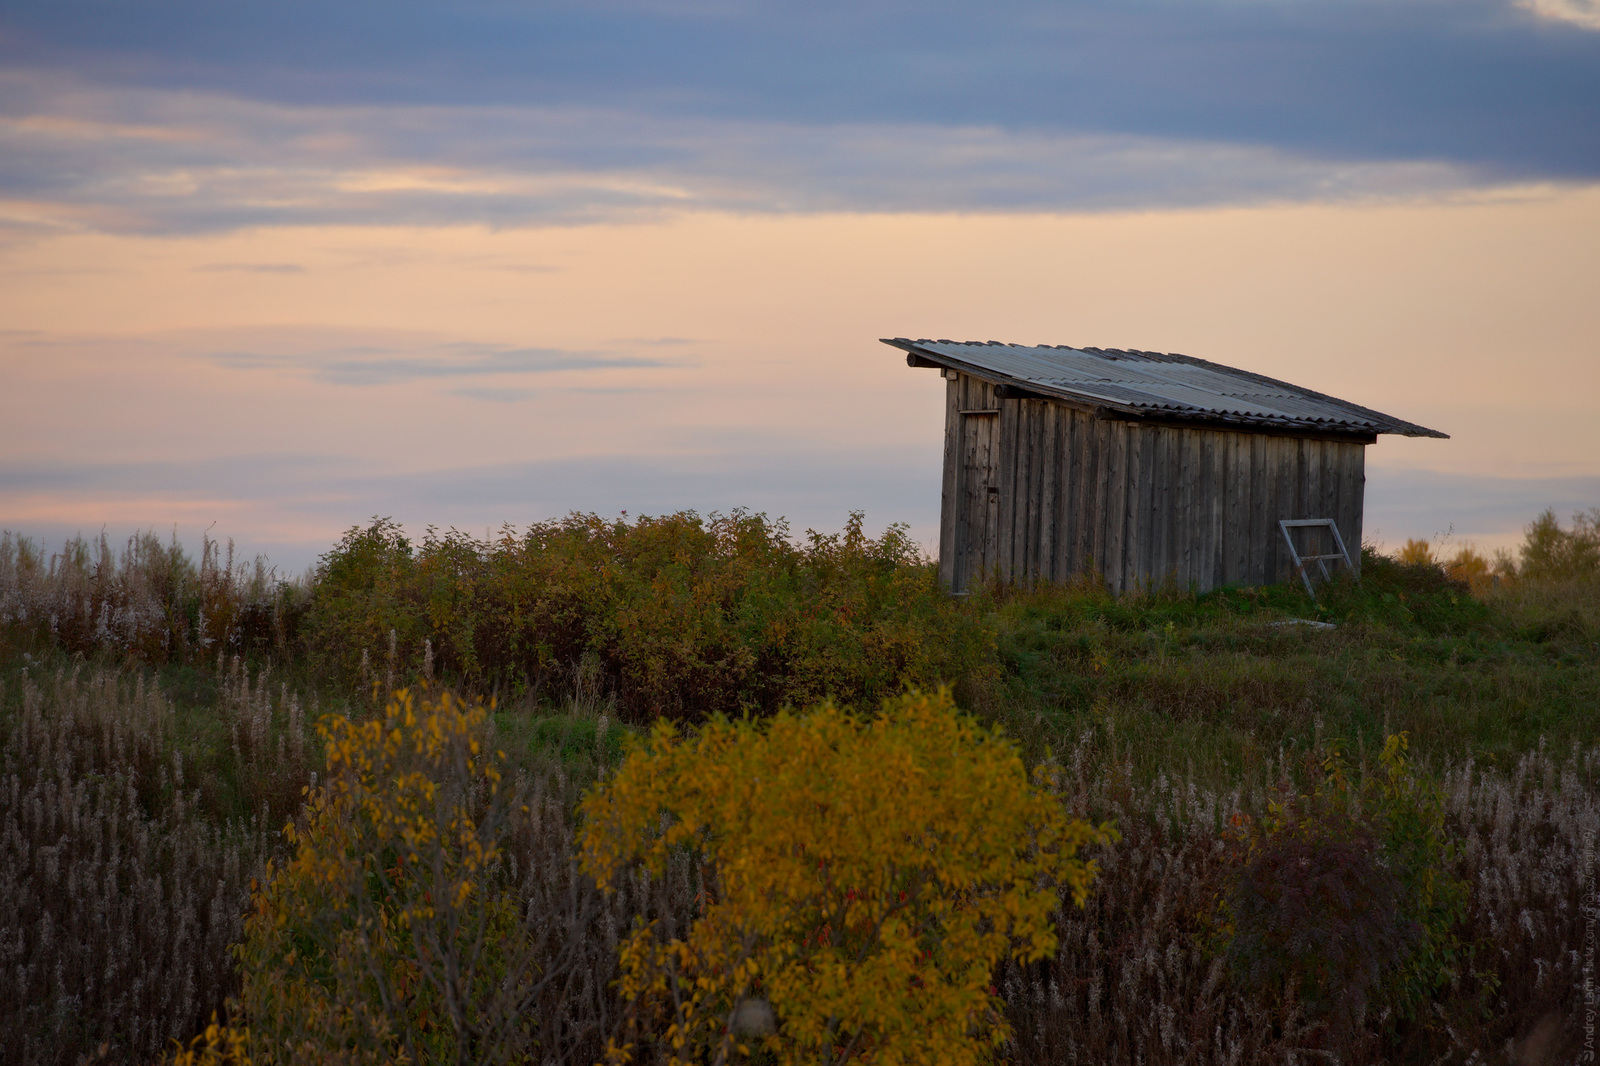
(1472, 568)
(1348, 892)
(1315, 913)
(865, 876)
(219, 1045)
(432, 911)
(390, 933)
(1416, 553)
(1550, 553)
(685, 616)
(1407, 810)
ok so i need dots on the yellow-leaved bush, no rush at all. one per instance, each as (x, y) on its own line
(389, 936)
(863, 876)
(220, 1045)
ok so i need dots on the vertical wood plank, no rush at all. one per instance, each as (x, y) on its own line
(1182, 516)
(950, 496)
(1026, 530)
(1067, 559)
(1288, 496)
(1316, 502)
(1271, 478)
(1261, 559)
(1357, 506)
(1171, 505)
(1235, 505)
(1049, 485)
(1195, 490)
(1328, 494)
(1342, 459)
(1088, 489)
(1135, 551)
(991, 480)
(1037, 418)
(1154, 461)
(1296, 486)
(976, 432)
(1115, 501)
(970, 547)
(1136, 507)
(1023, 499)
(1205, 503)
(1333, 483)
(1007, 482)
(1102, 490)
(1266, 503)
(1039, 463)
(1158, 565)
(1066, 496)
(1302, 506)
(1216, 498)
(976, 553)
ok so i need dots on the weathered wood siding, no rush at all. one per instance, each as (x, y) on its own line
(970, 527)
(1044, 492)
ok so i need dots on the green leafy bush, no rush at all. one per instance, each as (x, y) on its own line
(1551, 553)
(686, 616)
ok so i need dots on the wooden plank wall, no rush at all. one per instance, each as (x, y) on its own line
(970, 520)
(1139, 503)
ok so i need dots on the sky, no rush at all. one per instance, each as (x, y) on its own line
(269, 270)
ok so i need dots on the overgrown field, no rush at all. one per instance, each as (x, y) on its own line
(158, 718)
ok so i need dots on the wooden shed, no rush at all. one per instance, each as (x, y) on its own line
(1142, 467)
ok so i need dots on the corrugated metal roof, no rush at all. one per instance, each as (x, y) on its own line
(1158, 385)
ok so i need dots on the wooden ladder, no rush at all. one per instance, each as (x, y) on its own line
(1322, 561)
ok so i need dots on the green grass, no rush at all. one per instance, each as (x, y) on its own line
(1224, 681)
(538, 737)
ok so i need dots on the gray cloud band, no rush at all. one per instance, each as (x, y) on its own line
(159, 162)
(383, 367)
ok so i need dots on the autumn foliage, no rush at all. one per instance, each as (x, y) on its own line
(684, 616)
(388, 935)
(865, 875)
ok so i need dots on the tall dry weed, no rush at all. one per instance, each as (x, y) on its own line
(119, 892)
(577, 929)
(1136, 979)
(149, 601)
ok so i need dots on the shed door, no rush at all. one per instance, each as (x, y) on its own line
(978, 525)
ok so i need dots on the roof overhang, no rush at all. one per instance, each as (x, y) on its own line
(1102, 405)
